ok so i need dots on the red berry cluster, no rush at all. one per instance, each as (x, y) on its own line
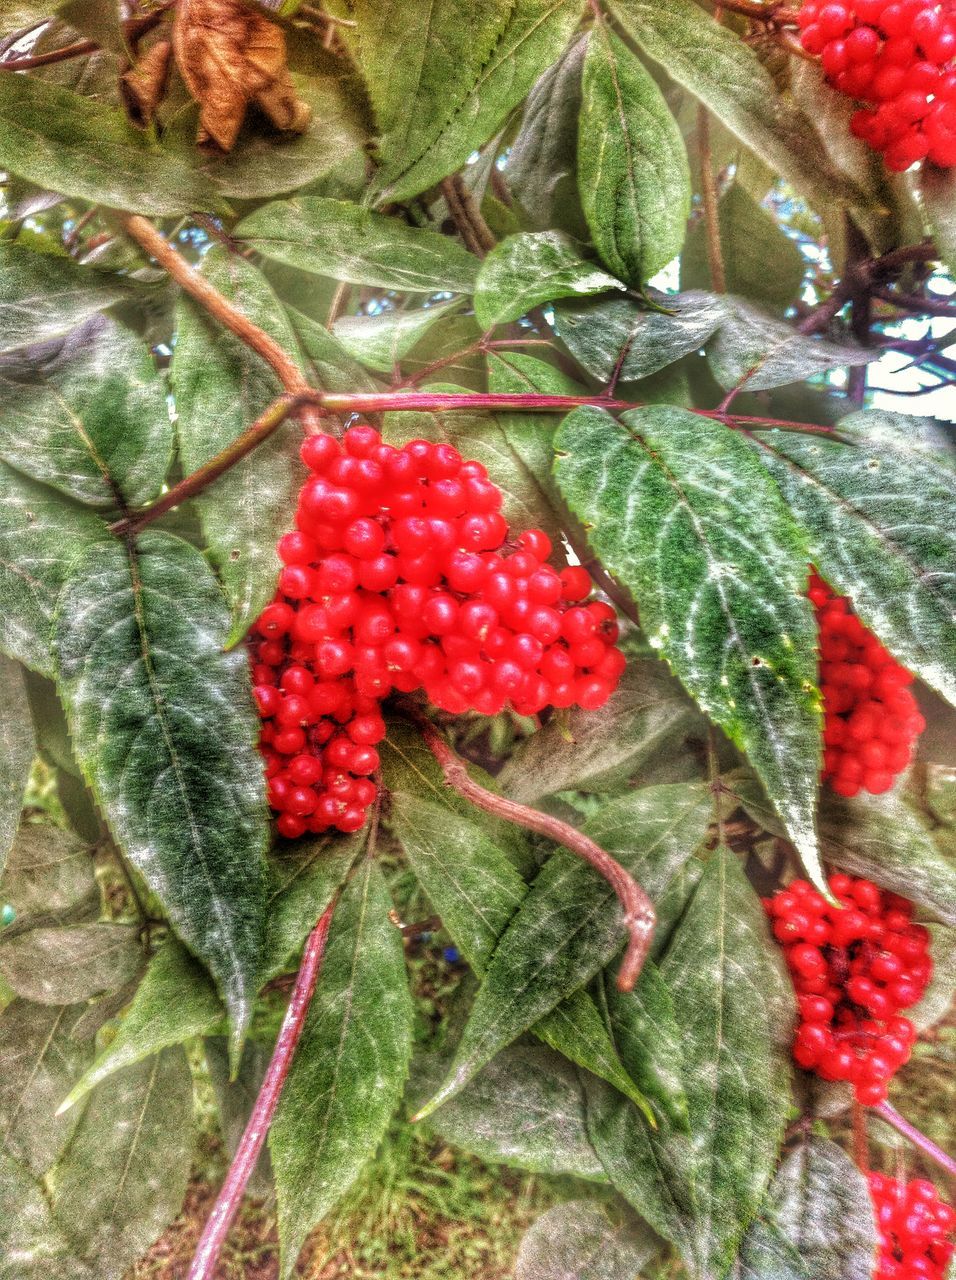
(871, 719)
(899, 56)
(854, 968)
(914, 1224)
(399, 576)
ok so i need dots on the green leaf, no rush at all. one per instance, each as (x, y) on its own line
(577, 1241)
(757, 351)
(175, 1001)
(530, 268)
(525, 1108)
(765, 1254)
(714, 64)
(41, 532)
(937, 189)
(454, 342)
(165, 730)
(348, 1072)
(569, 926)
(750, 238)
(335, 238)
(32, 1247)
(648, 1036)
(124, 1174)
(542, 163)
(43, 294)
(39, 1061)
(64, 964)
(235, 1099)
(679, 513)
(597, 750)
(49, 873)
(17, 748)
(633, 175)
(83, 147)
(881, 527)
(621, 334)
(221, 388)
(304, 878)
(737, 1008)
(821, 1203)
(88, 415)
(533, 37)
(327, 360)
(380, 341)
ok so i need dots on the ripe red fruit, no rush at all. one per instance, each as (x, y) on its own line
(915, 1227)
(400, 576)
(853, 968)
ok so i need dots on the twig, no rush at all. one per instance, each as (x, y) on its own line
(223, 1213)
(708, 186)
(917, 303)
(929, 1148)
(865, 274)
(202, 477)
(29, 61)
(639, 916)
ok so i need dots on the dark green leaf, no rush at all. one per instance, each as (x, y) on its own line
(32, 1247)
(304, 878)
(329, 363)
(41, 533)
(542, 162)
(39, 1061)
(235, 1098)
(881, 526)
(124, 1175)
(87, 414)
(82, 147)
(61, 965)
(43, 294)
(715, 65)
(569, 926)
(633, 175)
(350, 1066)
(175, 1001)
(221, 387)
(49, 873)
(751, 239)
(335, 238)
(525, 1108)
(757, 351)
(736, 1004)
(938, 193)
(648, 1036)
(621, 334)
(380, 341)
(717, 565)
(597, 750)
(533, 37)
(534, 267)
(165, 730)
(821, 1203)
(17, 747)
(577, 1241)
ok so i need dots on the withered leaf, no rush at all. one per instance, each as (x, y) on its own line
(231, 56)
(143, 86)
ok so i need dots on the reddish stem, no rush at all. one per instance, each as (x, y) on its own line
(230, 1196)
(438, 402)
(639, 915)
(918, 1139)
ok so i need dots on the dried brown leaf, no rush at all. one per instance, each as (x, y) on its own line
(231, 56)
(143, 86)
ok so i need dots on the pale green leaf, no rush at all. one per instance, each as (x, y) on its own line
(32, 1246)
(67, 963)
(88, 415)
(633, 175)
(330, 365)
(578, 1241)
(380, 341)
(49, 873)
(221, 388)
(679, 514)
(165, 730)
(530, 268)
(335, 238)
(17, 747)
(43, 294)
(765, 1254)
(349, 1069)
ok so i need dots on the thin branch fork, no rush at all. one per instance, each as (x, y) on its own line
(639, 915)
(227, 1204)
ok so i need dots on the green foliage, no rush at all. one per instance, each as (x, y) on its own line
(577, 1241)
(16, 751)
(531, 268)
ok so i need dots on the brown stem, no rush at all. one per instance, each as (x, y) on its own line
(466, 216)
(914, 302)
(918, 1139)
(639, 916)
(200, 479)
(708, 185)
(28, 62)
(227, 1204)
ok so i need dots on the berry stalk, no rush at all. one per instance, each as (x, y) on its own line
(919, 1139)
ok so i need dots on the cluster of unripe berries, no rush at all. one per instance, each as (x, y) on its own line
(871, 720)
(400, 575)
(899, 57)
(854, 967)
(915, 1228)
